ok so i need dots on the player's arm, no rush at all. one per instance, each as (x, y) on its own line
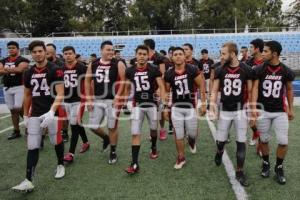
(20, 69)
(59, 89)
(2, 69)
(290, 99)
(200, 83)
(167, 92)
(27, 101)
(162, 68)
(213, 99)
(87, 87)
(162, 89)
(121, 71)
(211, 80)
(253, 100)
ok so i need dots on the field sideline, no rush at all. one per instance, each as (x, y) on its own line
(90, 177)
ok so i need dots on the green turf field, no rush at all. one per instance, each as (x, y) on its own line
(90, 177)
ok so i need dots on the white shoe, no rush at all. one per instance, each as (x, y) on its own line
(25, 186)
(60, 172)
(179, 163)
(252, 142)
(193, 150)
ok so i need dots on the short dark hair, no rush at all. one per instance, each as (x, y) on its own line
(258, 43)
(232, 47)
(36, 43)
(171, 48)
(13, 43)
(93, 55)
(117, 51)
(203, 51)
(51, 45)
(142, 47)
(106, 42)
(163, 52)
(244, 47)
(274, 46)
(189, 45)
(77, 56)
(177, 49)
(68, 48)
(150, 43)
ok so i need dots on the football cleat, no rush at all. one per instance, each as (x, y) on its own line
(192, 145)
(180, 162)
(162, 135)
(25, 186)
(14, 135)
(265, 172)
(84, 147)
(132, 169)
(241, 177)
(60, 172)
(112, 158)
(218, 158)
(252, 142)
(280, 175)
(153, 154)
(69, 158)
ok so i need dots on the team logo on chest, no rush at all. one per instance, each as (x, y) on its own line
(232, 84)
(181, 83)
(102, 74)
(39, 85)
(70, 78)
(141, 81)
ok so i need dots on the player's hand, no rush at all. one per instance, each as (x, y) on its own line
(203, 110)
(212, 114)
(291, 114)
(253, 117)
(25, 120)
(47, 118)
(89, 105)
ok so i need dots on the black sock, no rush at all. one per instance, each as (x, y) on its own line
(113, 148)
(135, 153)
(65, 131)
(74, 138)
(240, 154)
(17, 131)
(279, 161)
(59, 149)
(82, 134)
(266, 158)
(254, 129)
(220, 146)
(153, 134)
(105, 138)
(32, 160)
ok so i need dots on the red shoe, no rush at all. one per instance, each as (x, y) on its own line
(153, 154)
(163, 134)
(180, 162)
(69, 158)
(255, 135)
(84, 147)
(132, 169)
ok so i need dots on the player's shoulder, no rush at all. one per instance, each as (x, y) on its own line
(245, 66)
(195, 61)
(22, 59)
(96, 62)
(130, 69)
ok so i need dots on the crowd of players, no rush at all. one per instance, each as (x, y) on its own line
(240, 90)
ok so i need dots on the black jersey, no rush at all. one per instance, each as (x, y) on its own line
(233, 82)
(195, 63)
(59, 62)
(183, 86)
(74, 82)
(253, 63)
(272, 85)
(144, 81)
(105, 78)
(207, 66)
(41, 82)
(11, 80)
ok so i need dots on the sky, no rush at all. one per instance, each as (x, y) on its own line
(285, 4)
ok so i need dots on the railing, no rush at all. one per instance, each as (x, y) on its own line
(174, 32)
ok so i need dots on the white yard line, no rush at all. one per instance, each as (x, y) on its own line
(238, 189)
(9, 128)
(5, 116)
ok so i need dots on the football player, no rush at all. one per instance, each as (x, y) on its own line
(43, 94)
(273, 80)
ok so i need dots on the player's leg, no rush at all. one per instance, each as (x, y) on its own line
(241, 125)
(151, 114)
(137, 118)
(264, 127)
(9, 98)
(33, 145)
(54, 131)
(223, 126)
(85, 143)
(191, 125)
(96, 117)
(281, 126)
(162, 132)
(178, 123)
(112, 114)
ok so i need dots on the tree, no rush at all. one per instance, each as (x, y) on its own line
(293, 16)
